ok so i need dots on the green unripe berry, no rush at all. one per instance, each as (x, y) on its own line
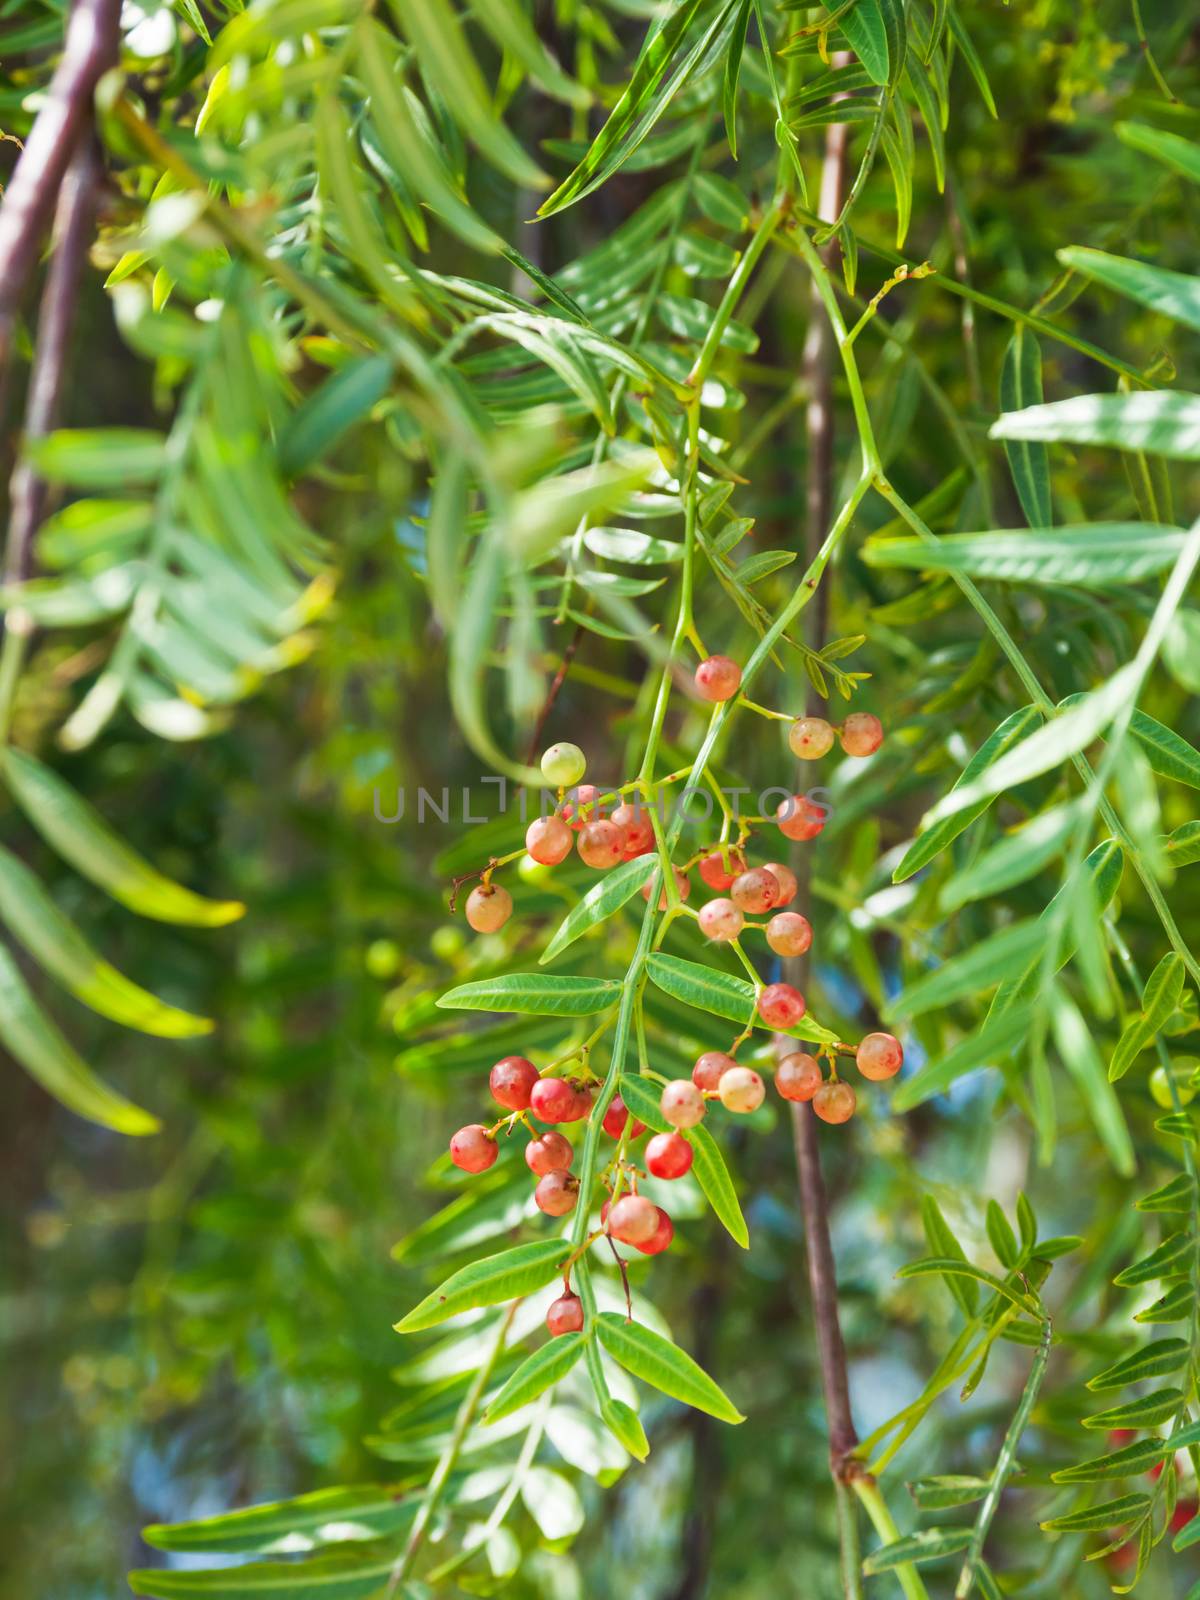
(382, 959)
(447, 942)
(1160, 1087)
(563, 765)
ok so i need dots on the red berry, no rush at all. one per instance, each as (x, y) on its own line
(862, 734)
(668, 1155)
(721, 920)
(810, 738)
(834, 1102)
(550, 1152)
(755, 891)
(548, 840)
(565, 1314)
(488, 909)
(798, 1076)
(511, 1081)
(473, 1149)
(780, 1005)
(556, 1193)
(616, 1117)
(800, 818)
(718, 678)
(585, 1098)
(584, 806)
(553, 1100)
(682, 884)
(660, 1238)
(639, 830)
(786, 879)
(716, 874)
(601, 844)
(789, 934)
(741, 1090)
(633, 1220)
(682, 1104)
(879, 1056)
(706, 1074)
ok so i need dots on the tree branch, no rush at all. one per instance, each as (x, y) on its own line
(29, 201)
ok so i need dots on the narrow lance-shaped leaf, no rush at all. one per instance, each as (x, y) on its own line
(601, 901)
(1158, 422)
(663, 1365)
(508, 1276)
(1028, 461)
(711, 1173)
(537, 1373)
(327, 1516)
(336, 1576)
(534, 993)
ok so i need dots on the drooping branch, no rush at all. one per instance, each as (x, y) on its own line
(29, 201)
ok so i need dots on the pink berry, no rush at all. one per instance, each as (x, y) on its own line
(601, 844)
(565, 1315)
(585, 1098)
(682, 1104)
(706, 1074)
(556, 1193)
(511, 1081)
(810, 738)
(488, 909)
(714, 872)
(834, 1102)
(682, 884)
(553, 1100)
(473, 1149)
(550, 1152)
(786, 879)
(668, 1155)
(879, 1056)
(583, 806)
(800, 818)
(548, 840)
(798, 1076)
(862, 734)
(780, 1005)
(721, 920)
(639, 830)
(633, 1220)
(660, 1238)
(755, 891)
(741, 1090)
(718, 678)
(789, 934)
(617, 1116)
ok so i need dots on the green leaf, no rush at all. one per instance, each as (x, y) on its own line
(61, 950)
(1092, 1519)
(642, 101)
(1177, 1195)
(512, 31)
(328, 1516)
(435, 33)
(1159, 1263)
(551, 1500)
(539, 1372)
(336, 1576)
(1174, 294)
(663, 1365)
(1154, 1360)
(999, 1231)
(1002, 955)
(1128, 1462)
(1147, 1411)
(995, 1039)
(1169, 755)
(918, 1549)
(30, 1036)
(1176, 1305)
(708, 989)
(1078, 1053)
(99, 458)
(328, 414)
(508, 1276)
(1183, 844)
(867, 35)
(1187, 1536)
(943, 1242)
(711, 1173)
(1162, 994)
(534, 994)
(722, 202)
(627, 544)
(94, 530)
(601, 901)
(642, 1096)
(941, 1492)
(732, 72)
(1183, 155)
(1014, 859)
(931, 841)
(951, 1266)
(1159, 422)
(1095, 555)
(81, 837)
(1028, 461)
(970, 55)
(625, 1426)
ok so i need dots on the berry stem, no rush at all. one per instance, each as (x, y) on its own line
(764, 711)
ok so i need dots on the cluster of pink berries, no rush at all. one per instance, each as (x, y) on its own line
(603, 840)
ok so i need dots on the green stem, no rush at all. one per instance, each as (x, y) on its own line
(884, 1524)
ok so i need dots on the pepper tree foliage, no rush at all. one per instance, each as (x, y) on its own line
(323, 246)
